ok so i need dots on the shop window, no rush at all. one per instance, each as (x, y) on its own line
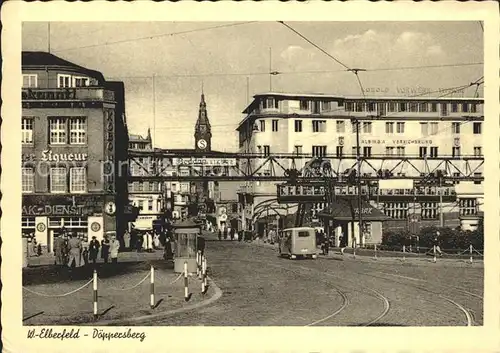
(27, 130)
(78, 180)
(58, 183)
(55, 222)
(28, 180)
(28, 222)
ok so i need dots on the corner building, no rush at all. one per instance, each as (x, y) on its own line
(313, 125)
(74, 150)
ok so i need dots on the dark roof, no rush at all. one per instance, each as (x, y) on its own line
(342, 210)
(44, 59)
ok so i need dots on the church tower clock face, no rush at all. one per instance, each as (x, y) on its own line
(202, 144)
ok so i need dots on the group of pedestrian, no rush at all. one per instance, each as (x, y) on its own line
(74, 252)
(225, 232)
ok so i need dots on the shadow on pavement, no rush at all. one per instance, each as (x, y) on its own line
(52, 274)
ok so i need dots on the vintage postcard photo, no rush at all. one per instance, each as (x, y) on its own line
(221, 170)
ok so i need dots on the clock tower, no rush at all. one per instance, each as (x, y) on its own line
(202, 130)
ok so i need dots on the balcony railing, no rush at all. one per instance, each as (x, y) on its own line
(67, 94)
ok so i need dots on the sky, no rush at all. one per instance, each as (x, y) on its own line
(232, 60)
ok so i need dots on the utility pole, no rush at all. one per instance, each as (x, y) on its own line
(270, 71)
(358, 159)
(441, 214)
(48, 36)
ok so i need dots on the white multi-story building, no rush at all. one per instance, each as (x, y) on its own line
(321, 125)
(147, 196)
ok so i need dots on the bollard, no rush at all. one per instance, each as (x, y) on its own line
(152, 287)
(198, 263)
(205, 271)
(375, 252)
(434, 259)
(470, 252)
(95, 293)
(200, 273)
(404, 252)
(203, 283)
(186, 289)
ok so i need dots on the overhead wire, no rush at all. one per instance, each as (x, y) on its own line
(171, 34)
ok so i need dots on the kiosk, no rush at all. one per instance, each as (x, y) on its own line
(186, 236)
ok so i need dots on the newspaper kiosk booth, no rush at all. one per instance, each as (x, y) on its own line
(186, 236)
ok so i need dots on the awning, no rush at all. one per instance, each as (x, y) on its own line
(343, 210)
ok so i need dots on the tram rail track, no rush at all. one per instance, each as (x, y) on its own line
(345, 299)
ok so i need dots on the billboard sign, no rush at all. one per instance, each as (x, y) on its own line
(204, 162)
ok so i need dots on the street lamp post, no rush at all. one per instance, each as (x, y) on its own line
(358, 181)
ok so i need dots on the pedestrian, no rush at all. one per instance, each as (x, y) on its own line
(220, 234)
(138, 243)
(225, 233)
(93, 249)
(436, 244)
(65, 248)
(58, 250)
(34, 247)
(156, 241)
(342, 242)
(200, 245)
(75, 249)
(232, 233)
(148, 242)
(85, 254)
(126, 240)
(326, 243)
(168, 254)
(105, 249)
(114, 247)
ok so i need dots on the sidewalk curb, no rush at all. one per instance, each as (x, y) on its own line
(128, 322)
(367, 258)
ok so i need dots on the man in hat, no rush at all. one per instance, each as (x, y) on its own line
(75, 248)
(59, 249)
(94, 249)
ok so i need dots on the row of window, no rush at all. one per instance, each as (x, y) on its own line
(381, 107)
(57, 222)
(367, 127)
(63, 81)
(62, 130)
(429, 210)
(366, 151)
(61, 180)
(144, 205)
(146, 186)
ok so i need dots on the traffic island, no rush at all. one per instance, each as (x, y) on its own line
(120, 299)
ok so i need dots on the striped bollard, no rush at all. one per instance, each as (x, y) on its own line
(95, 293)
(434, 249)
(205, 271)
(404, 252)
(470, 252)
(152, 288)
(375, 252)
(198, 263)
(203, 284)
(186, 289)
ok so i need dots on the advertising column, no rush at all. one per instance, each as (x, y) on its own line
(42, 233)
